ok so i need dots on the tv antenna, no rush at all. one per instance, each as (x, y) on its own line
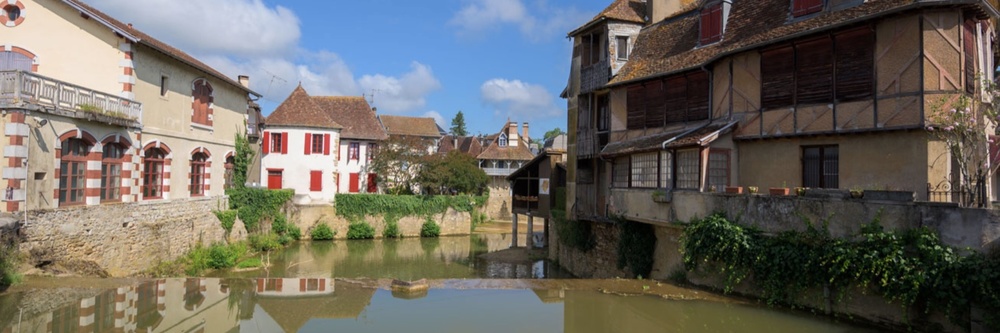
(271, 82)
(371, 97)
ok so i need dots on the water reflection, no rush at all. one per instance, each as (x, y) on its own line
(323, 304)
(406, 259)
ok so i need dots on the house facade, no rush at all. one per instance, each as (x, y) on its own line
(426, 130)
(122, 118)
(359, 140)
(299, 150)
(777, 93)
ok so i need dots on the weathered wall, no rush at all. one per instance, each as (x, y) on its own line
(125, 238)
(601, 262)
(308, 217)
(498, 204)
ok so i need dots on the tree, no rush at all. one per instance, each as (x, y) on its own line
(454, 173)
(553, 133)
(458, 125)
(397, 162)
(964, 125)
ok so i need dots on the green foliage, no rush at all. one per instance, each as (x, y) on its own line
(458, 125)
(478, 218)
(221, 256)
(397, 162)
(553, 133)
(912, 266)
(250, 263)
(254, 204)
(636, 243)
(575, 234)
(264, 242)
(9, 262)
(227, 218)
(453, 173)
(360, 230)
(391, 228)
(242, 160)
(293, 232)
(353, 206)
(430, 229)
(323, 232)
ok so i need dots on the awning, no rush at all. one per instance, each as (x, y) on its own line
(678, 138)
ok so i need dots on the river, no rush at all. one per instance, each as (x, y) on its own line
(346, 286)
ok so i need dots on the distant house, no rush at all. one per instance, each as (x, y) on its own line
(360, 137)
(424, 129)
(507, 151)
(299, 149)
(470, 145)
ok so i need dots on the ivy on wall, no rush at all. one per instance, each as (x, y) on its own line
(254, 204)
(361, 205)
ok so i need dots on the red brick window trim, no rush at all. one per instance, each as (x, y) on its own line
(12, 14)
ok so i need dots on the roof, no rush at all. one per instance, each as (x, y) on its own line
(354, 114)
(411, 126)
(509, 153)
(557, 142)
(671, 46)
(621, 10)
(299, 109)
(127, 31)
(467, 144)
(676, 138)
(291, 313)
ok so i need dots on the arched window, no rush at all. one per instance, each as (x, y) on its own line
(14, 61)
(111, 172)
(72, 172)
(198, 163)
(201, 91)
(502, 140)
(152, 173)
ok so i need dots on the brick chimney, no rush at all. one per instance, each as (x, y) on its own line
(245, 81)
(524, 132)
(512, 134)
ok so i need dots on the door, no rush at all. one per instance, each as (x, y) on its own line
(354, 183)
(372, 183)
(274, 179)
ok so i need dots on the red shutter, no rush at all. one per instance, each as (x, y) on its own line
(803, 7)
(308, 144)
(302, 284)
(315, 181)
(354, 183)
(267, 143)
(326, 144)
(284, 143)
(711, 24)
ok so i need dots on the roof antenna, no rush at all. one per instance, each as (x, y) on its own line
(271, 83)
(371, 97)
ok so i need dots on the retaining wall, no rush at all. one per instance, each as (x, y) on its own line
(307, 217)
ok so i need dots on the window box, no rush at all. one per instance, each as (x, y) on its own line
(664, 196)
(734, 189)
(779, 191)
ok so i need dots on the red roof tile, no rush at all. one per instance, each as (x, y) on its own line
(621, 10)
(299, 109)
(467, 144)
(410, 126)
(354, 114)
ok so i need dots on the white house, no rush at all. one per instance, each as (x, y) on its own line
(359, 139)
(299, 149)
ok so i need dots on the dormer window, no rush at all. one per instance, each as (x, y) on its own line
(806, 7)
(711, 23)
(502, 140)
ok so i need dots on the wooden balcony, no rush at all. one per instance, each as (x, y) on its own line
(29, 91)
(595, 76)
(590, 142)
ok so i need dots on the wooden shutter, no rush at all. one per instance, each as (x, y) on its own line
(353, 183)
(804, 7)
(655, 101)
(676, 98)
(326, 144)
(814, 71)
(777, 71)
(711, 24)
(284, 143)
(315, 181)
(308, 144)
(267, 143)
(636, 114)
(855, 57)
(697, 96)
(969, 45)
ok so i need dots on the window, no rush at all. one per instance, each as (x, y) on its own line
(619, 172)
(354, 151)
(805, 7)
(372, 149)
(164, 81)
(152, 174)
(711, 24)
(644, 170)
(820, 166)
(317, 144)
(687, 169)
(718, 169)
(111, 172)
(72, 172)
(13, 12)
(315, 180)
(276, 143)
(15, 61)
(591, 51)
(678, 98)
(622, 49)
(819, 70)
(201, 92)
(502, 140)
(969, 45)
(198, 163)
(666, 170)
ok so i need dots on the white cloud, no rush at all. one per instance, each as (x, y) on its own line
(521, 99)
(244, 27)
(438, 118)
(404, 93)
(537, 24)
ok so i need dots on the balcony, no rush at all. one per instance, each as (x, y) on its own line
(595, 76)
(501, 172)
(590, 142)
(23, 90)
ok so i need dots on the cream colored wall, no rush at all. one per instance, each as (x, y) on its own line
(68, 47)
(891, 159)
(619, 109)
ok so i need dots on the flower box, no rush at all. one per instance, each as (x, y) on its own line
(734, 189)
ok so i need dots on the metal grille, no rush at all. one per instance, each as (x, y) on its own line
(718, 169)
(620, 172)
(644, 170)
(820, 166)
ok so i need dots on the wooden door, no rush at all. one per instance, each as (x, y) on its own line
(354, 183)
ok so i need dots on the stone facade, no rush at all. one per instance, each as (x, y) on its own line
(601, 262)
(498, 204)
(123, 239)
(307, 217)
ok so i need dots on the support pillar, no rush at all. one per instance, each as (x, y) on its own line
(531, 232)
(513, 231)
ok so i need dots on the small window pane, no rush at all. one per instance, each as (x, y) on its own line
(644, 170)
(687, 169)
(622, 47)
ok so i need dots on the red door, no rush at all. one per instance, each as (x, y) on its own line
(274, 179)
(354, 183)
(372, 183)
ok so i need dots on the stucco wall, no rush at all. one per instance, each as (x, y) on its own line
(115, 236)
(346, 166)
(296, 167)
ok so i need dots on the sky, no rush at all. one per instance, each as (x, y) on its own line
(491, 59)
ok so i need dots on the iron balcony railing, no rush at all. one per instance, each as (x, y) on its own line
(19, 89)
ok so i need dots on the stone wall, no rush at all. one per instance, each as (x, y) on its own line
(601, 262)
(307, 217)
(498, 204)
(122, 239)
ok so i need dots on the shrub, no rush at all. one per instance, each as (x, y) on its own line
(430, 229)
(280, 224)
(221, 256)
(360, 230)
(253, 204)
(227, 218)
(250, 263)
(9, 262)
(392, 230)
(264, 242)
(294, 232)
(323, 232)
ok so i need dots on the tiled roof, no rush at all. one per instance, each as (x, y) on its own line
(410, 126)
(354, 114)
(519, 153)
(682, 137)
(622, 10)
(299, 109)
(466, 144)
(671, 46)
(143, 38)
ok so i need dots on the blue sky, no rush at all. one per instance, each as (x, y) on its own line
(492, 59)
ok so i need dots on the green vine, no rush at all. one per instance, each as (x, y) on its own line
(227, 218)
(636, 243)
(911, 267)
(254, 204)
(360, 205)
(241, 160)
(574, 234)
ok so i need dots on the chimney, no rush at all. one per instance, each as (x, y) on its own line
(658, 10)
(512, 134)
(374, 109)
(454, 142)
(524, 132)
(245, 81)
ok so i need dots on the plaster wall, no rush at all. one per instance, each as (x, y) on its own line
(296, 166)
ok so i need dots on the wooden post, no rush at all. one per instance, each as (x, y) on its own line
(545, 234)
(513, 242)
(531, 232)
